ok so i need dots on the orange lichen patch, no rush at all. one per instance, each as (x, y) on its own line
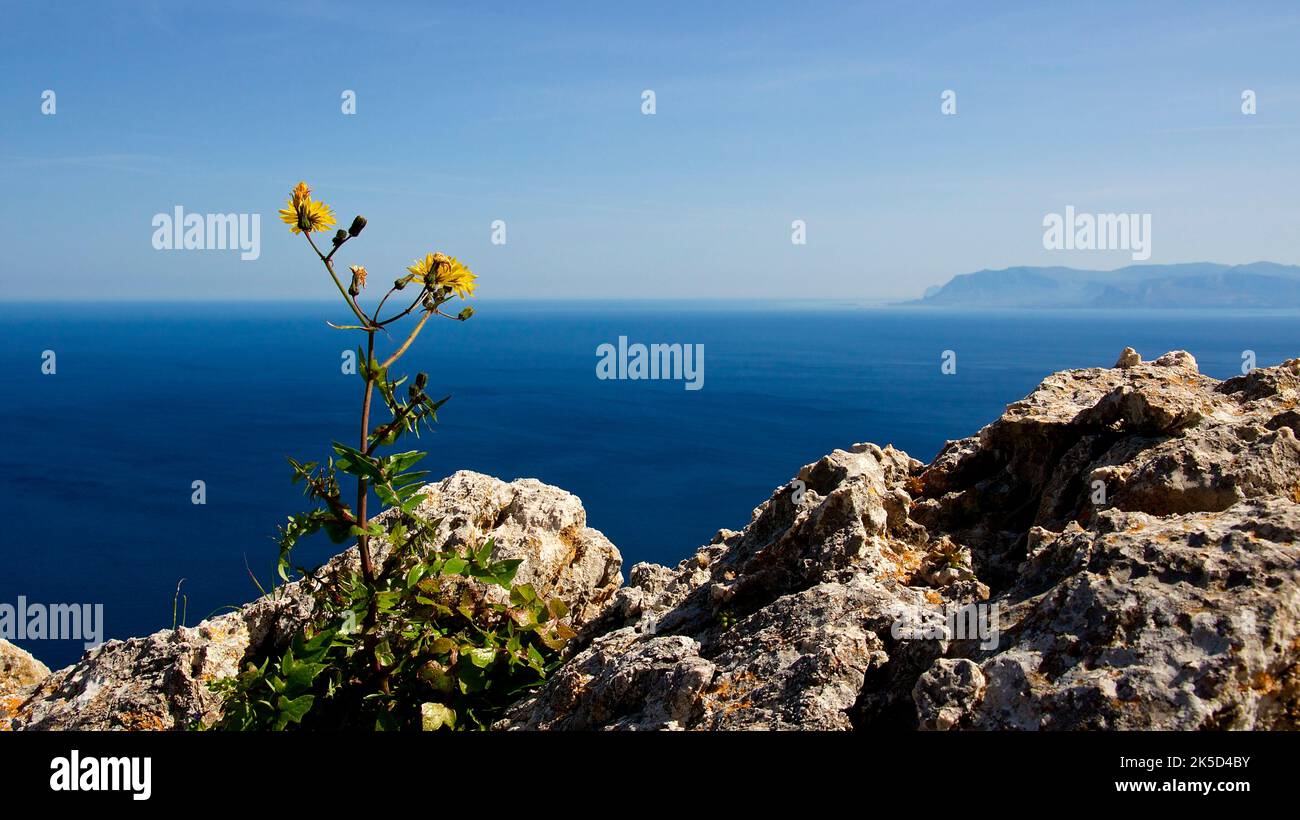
(1264, 683)
(933, 597)
(1136, 526)
(914, 485)
(1295, 493)
(137, 722)
(728, 694)
(8, 709)
(906, 563)
(570, 535)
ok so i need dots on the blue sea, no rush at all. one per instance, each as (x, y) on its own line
(99, 458)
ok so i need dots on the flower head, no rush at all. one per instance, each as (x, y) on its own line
(359, 274)
(304, 214)
(437, 270)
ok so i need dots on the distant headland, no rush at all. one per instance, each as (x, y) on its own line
(1187, 285)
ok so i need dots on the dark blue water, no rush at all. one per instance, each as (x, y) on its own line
(98, 461)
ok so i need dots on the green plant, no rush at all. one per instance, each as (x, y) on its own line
(727, 618)
(451, 653)
(419, 637)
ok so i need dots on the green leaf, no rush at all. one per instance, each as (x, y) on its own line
(401, 462)
(442, 645)
(434, 716)
(384, 653)
(535, 658)
(481, 656)
(522, 594)
(414, 575)
(413, 502)
(295, 710)
(354, 462)
(504, 571)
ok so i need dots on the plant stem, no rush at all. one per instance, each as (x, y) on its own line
(415, 332)
(363, 540)
(329, 266)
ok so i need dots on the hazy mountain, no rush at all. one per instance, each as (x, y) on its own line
(1189, 285)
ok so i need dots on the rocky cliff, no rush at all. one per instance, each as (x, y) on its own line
(1117, 551)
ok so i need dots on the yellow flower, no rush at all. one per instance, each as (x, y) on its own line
(421, 267)
(459, 278)
(440, 270)
(303, 214)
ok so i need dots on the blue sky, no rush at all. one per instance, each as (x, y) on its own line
(766, 113)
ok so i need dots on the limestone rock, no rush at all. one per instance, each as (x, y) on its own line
(1131, 532)
(1128, 358)
(160, 681)
(773, 627)
(18, 668)
(947, 692)
(19, 675)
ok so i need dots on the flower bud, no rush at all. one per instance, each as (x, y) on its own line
(465, 313)
(358, 224)
(421, 379)
(403, 282)
(340, 237)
